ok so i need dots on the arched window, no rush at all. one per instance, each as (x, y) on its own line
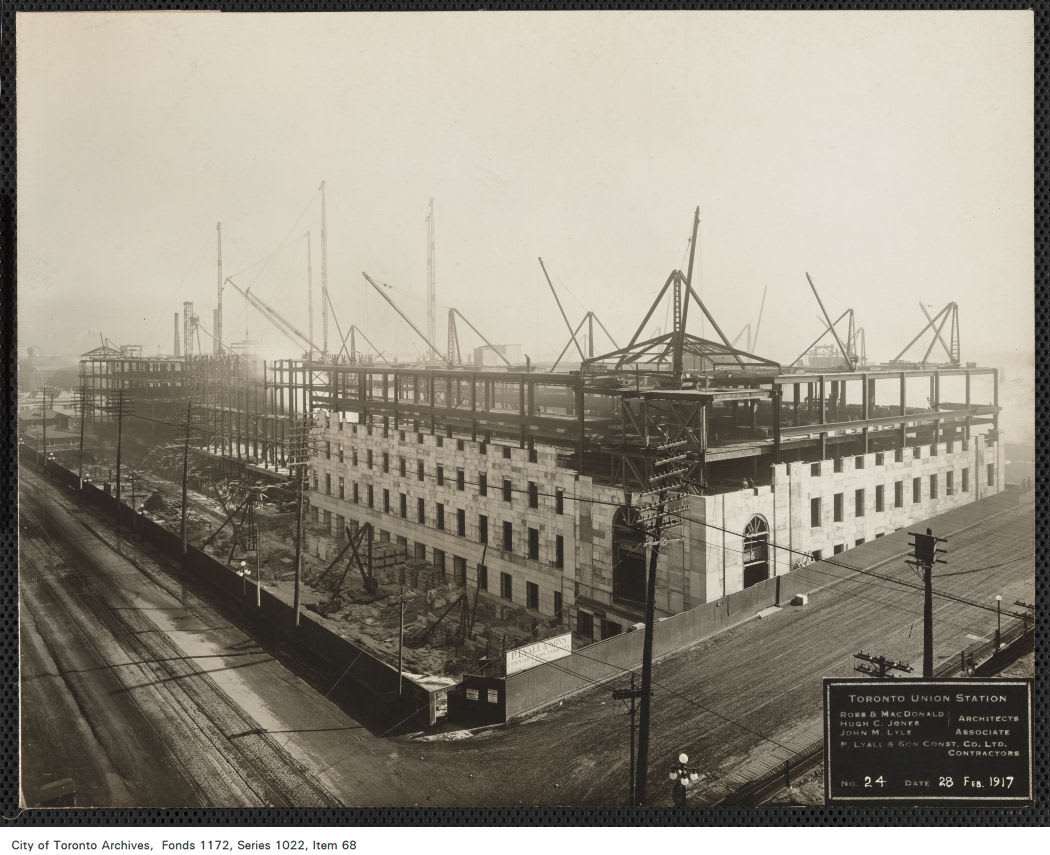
(756, 551)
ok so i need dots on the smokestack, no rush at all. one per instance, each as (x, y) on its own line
(187, 329)
(175, 352)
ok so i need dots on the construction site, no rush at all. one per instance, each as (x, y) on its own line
(466, 516)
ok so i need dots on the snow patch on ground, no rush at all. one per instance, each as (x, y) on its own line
(449, 736)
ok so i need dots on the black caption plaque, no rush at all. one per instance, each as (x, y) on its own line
(918, 740)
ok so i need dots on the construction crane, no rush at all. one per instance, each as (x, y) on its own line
(590, 319)
(405, 317)
(846, 349)
(948, 315)
(293, 333)
(351, 336)
(454, 357)
(752, 340)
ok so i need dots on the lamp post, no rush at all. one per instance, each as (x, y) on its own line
(998, 620)
(244, 579)
(683, 777)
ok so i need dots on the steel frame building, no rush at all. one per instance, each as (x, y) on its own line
(522, 484)
(528, 485)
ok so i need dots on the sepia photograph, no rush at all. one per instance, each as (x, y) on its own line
(484, 409)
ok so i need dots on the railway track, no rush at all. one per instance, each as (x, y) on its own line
(261, 769)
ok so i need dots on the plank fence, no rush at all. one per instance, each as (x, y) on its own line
(353, 668)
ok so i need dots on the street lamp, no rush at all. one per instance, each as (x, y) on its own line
(683, 777)
(244, 578)
(998, 620)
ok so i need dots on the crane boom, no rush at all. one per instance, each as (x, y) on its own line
(565, 318)
(850, 362)
(379, 353)
(271, 314)
(479, 335)
(405, 317)
(758, 323)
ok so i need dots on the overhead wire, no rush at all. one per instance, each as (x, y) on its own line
(770, 543)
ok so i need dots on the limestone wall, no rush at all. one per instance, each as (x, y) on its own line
(715, 559)
(584, 524)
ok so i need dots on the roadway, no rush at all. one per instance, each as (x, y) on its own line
(145, 695)
(743, 701)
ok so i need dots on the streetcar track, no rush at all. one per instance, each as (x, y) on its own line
(43, 580)
(280, 778)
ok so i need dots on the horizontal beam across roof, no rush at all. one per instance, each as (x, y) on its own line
(878, 373)
(890, 421)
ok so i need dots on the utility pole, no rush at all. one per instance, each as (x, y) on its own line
(81, 406)
(185, 467)
(300, 459)
(47, 396)
(43, 422)
(879, 666)
(925, 556)
(631, 694)
(665, 513)
(255, 542)
(998, 622)
(401, 644)
(121, 411)
(642, 770)
(1029, 613)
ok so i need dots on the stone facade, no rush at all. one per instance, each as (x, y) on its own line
(450, 500)
(467, 491)
(829, 506)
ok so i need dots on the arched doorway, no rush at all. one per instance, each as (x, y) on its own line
(756, 551)
(628, 557)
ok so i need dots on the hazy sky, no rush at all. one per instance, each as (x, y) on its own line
(889, 154)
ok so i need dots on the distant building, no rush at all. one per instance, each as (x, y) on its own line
(146, 380)
(487, 355)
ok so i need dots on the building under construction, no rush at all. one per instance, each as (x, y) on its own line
(546, 491)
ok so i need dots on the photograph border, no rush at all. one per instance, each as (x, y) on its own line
(1039, 814)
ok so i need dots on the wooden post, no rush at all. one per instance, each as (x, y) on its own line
(400, 643)
(258, 557)
(185, 460)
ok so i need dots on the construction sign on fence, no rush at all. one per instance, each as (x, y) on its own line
(531, 655)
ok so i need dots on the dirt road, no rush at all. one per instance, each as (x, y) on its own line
(148, 695)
